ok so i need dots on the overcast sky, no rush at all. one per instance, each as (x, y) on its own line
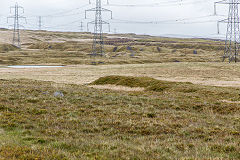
(155, 17)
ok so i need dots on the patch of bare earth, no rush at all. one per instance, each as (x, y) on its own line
(118, 88)
(231, 102)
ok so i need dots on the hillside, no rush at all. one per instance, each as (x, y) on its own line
(43, 47)
(147, 98)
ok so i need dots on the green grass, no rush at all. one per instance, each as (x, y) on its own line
(183, 121)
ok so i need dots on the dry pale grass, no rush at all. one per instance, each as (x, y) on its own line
(212, 74)
(29, 37)
(118, 88)
(231, 102)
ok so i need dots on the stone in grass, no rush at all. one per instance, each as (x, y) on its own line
(101, 62)
(159, 49)
(195, 52)
(132, 55)
(176, 61)
(129, 48)
(115, 49)
(93, 63)
(46, 93)
(58, 94)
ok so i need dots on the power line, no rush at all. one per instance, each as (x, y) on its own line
(170, 21)
(39, 23)
(81, 26)
(161, 4)
(62, 13)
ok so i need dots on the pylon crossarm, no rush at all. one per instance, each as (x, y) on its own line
(93, 22)
(9, 18)
(221, 2)
(19, 7)
(104, 22)
(92, 9)
(106, 10)
(218, 24)
(89, 23)
(23, 18)
(223, 21)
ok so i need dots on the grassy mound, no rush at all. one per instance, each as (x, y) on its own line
(145, 82)
(7, 48)
(149, 84)
(189, 96)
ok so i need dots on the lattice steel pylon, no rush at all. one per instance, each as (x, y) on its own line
(232, 41)
(98, 42)
(16, 41)
(40, 23)
(81, 26)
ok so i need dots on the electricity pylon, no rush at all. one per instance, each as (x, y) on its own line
(98, 42)
(233, 31)
(81, 27)
(39, 23)
(16, 26)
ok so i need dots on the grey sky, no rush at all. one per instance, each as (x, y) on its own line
(63, 15)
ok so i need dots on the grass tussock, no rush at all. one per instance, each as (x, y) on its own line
(7, 47)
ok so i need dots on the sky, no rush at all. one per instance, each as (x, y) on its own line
(176, 18)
